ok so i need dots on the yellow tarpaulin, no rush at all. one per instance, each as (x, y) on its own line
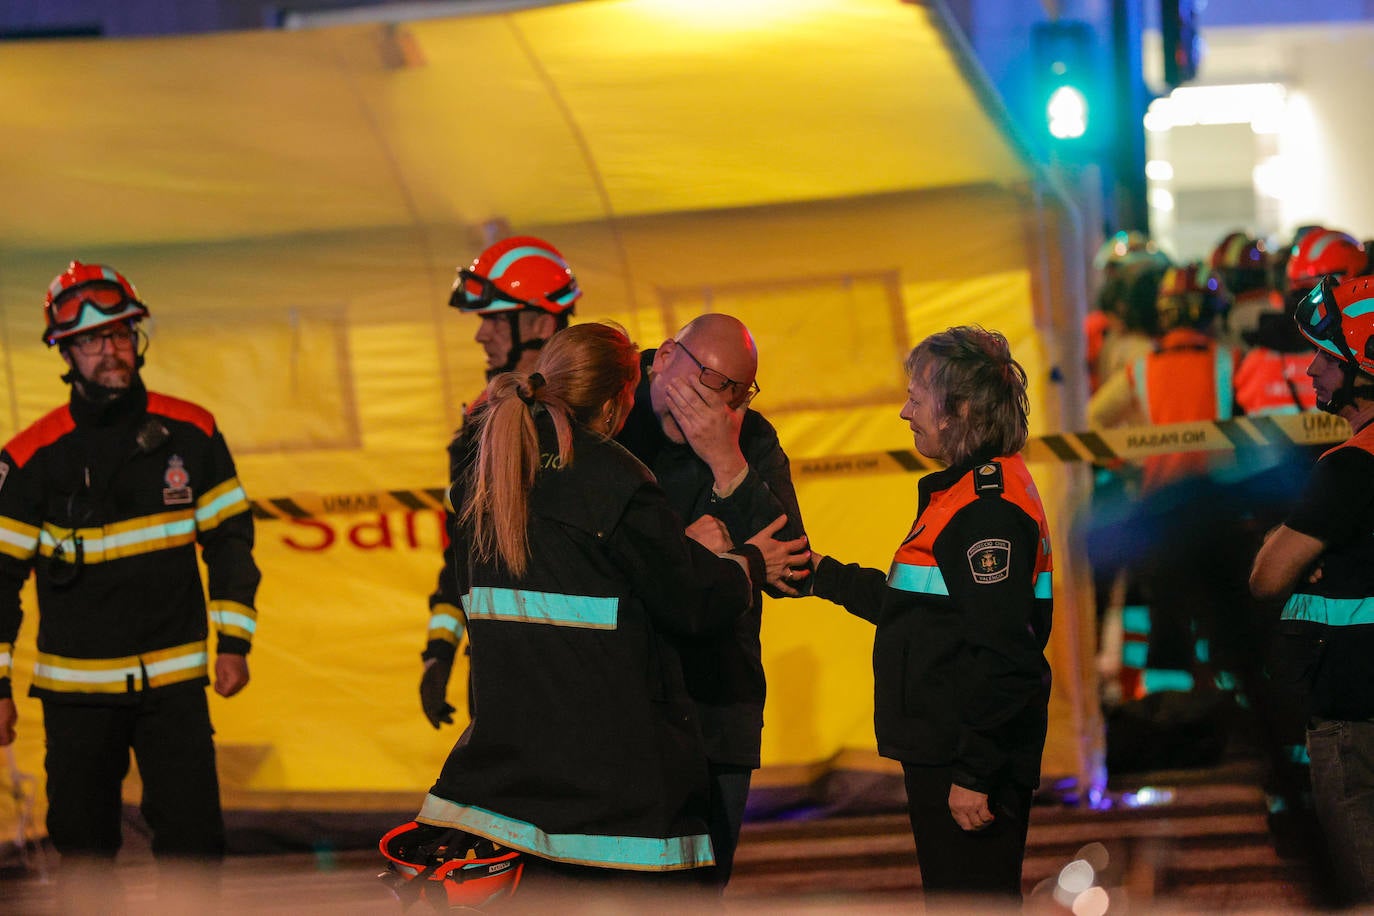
(292, 206)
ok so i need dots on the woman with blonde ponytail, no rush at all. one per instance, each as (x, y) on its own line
(584, 761)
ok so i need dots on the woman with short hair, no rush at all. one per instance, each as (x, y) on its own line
(961, 685)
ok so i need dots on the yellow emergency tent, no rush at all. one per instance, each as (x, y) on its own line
(292, 205)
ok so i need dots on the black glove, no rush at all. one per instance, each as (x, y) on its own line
(434, 690)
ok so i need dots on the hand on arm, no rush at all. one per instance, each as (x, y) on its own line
(710, 532)
(787, 561)
(711, 427)
(231, 673)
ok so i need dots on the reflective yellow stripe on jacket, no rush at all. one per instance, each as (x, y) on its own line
(135, 536)
(18, 539)
(219, 503)
(233, 619)
(121, 675)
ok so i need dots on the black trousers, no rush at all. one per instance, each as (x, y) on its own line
(88, 757)
(954, 861)
(729, 796)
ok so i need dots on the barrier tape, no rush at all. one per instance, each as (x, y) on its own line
(1102, 446)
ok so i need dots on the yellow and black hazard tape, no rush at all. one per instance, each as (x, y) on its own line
(1102, 446)
(1107, 445)
(313, 505)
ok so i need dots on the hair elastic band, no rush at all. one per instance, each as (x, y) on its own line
(535, 382)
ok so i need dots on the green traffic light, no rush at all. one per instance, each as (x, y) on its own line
(1067, 113)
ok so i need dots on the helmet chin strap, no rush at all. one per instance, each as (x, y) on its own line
(517, 347)
(1345, 396)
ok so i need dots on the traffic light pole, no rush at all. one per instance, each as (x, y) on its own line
(1127, 191)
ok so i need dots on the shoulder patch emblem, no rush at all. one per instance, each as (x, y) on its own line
(987, 479)
(990, 561)
(177, 492)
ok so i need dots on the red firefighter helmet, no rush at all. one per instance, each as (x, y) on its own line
(1324, 252)
(88, 296)
(1338, 317)
(1190, 296)
(447, 867)
(521, 272)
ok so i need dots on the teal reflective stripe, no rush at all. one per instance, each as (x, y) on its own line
(1044, 585)
(242, 621)
(1135, 618)
(635, 853)
(1297, 753)
(1202, 651)
(1142, 389)
(1134, 654)
(224, 501)
(923, 580)
(1157, 680)
(1356, 309)
(523, 606)
(1333, 612)
(445, 622)
(525, 251)
(1225, 369)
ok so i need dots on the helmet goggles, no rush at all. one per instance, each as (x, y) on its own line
(1319, 317)
(106, 298)
(89, 306)
(489, 298)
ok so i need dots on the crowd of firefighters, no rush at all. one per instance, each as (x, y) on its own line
(1185, 651)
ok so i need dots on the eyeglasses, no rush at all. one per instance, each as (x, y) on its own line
(105, 298)
(719, 381)
(92, 343)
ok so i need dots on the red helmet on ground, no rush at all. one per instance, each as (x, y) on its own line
(1324, 252)
(88, 296)
(1190, 296)
(521, 272)
(449, 868)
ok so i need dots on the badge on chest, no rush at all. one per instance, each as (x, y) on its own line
(178, 489)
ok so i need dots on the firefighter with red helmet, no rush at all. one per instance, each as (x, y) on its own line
(1272, 377)
(1321, 560)
(1188, 377)
(523, 291)
(104, 501)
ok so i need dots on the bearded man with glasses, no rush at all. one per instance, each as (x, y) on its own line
(727, 476)
(106, 499)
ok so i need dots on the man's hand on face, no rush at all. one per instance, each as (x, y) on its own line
(710, 425)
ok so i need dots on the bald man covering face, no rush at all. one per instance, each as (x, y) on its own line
(727, 475)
